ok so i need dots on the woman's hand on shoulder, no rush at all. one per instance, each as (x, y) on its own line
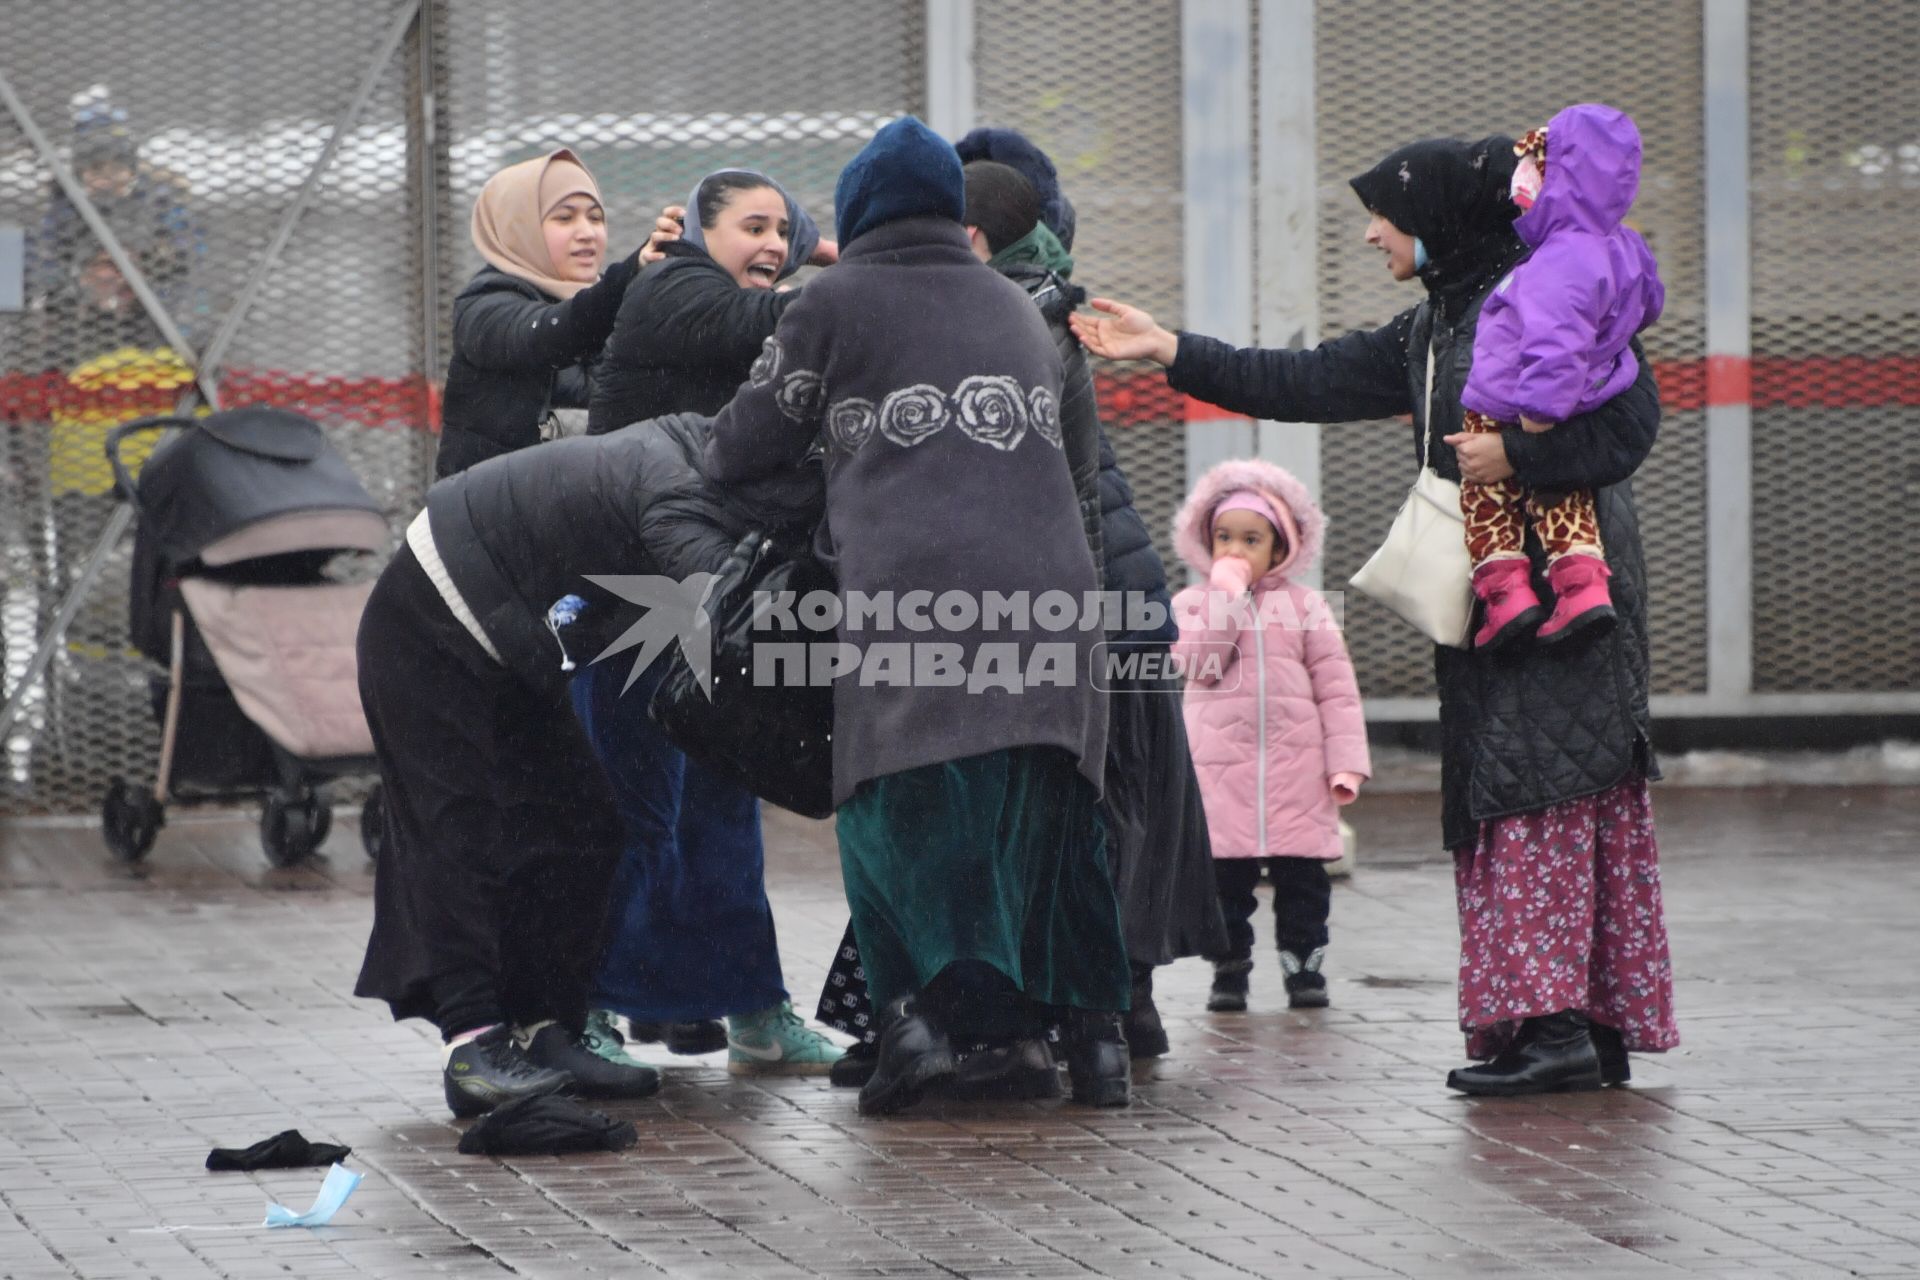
(1122, 332)
(825, 254)
(670, 225)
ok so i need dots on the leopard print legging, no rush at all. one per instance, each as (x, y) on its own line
(1496, 514)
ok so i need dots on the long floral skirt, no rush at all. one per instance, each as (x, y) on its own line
(1560, 909)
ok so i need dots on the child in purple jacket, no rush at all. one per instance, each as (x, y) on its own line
(1552, 342)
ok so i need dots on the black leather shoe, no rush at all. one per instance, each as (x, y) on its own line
(1146, 1037)
(1551, 1054)
(490, 1070)
(1229, 994)
(1022, 1071)
(686, 1039)
(561, 1049)
(1612, 1051)
(914, 1053)
(854, 1068)
(1097, 1064)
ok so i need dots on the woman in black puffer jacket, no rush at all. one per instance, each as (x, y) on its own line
(1545, 752)
(502, 833)
(527, 326)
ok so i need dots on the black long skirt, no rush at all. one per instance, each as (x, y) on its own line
(489, 899)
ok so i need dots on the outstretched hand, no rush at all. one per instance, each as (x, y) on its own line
(1122, 332)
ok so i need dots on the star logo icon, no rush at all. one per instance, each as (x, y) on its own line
(675, 610)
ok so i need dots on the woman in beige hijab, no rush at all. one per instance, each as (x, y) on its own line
(530, 322)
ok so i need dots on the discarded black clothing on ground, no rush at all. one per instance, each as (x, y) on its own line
(548, 1126)
(282, 1151)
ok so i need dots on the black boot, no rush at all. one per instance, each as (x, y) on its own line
(560, 1048)
(684, 1038)
(1097, 1064)
(1022, 1071)
(854, 1068)
(1551, 1054)
(1229, 994)
(914, 1053)
(1612, 1051)
(1146, 1038)
(490, 1070)
(1306, 986)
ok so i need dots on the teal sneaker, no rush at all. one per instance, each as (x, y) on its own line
(775, 1042)
(605, 1042)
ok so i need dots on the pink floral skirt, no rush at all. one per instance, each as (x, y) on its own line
(1560, 909)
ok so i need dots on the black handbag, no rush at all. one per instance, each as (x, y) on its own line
(773, 738)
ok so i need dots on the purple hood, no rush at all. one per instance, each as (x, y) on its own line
(1593, 174)
(1553, 338)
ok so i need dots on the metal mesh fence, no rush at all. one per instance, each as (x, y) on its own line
(195, 167)
(1375, 94)
(1835, 168)
(198, 157)
(1105, 105)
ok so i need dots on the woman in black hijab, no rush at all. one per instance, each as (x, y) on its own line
(1545, 753)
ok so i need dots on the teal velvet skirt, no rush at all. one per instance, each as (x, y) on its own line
(998, 858)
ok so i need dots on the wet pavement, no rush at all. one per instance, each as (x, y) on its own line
(146, 1016)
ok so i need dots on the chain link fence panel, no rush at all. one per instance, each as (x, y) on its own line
(1834, 153)
(1099, 89)
(193, 126)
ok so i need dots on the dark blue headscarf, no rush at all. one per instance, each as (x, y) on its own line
(1013, 149)
(803, 236)
(906, 171)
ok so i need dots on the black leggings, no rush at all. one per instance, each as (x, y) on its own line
(1302, 898)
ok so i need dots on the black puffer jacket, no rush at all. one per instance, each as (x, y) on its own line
(1132, 564)
(518, 532)
(1079, 414)
(517, 354)
(1532, 726)
(684, 339)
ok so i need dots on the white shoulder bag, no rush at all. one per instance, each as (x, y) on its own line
(1422, 571)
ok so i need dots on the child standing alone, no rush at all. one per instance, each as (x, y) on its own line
(1273, 716)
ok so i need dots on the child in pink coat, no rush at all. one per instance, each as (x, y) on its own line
(1273, 716)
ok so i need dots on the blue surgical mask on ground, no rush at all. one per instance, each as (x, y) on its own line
(1419, 254)
(334, 1191)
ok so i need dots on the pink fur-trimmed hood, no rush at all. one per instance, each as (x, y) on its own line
(1193, 523)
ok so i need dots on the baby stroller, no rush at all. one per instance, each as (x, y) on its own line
(237, 518)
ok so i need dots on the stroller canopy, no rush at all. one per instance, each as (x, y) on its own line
(234, 472)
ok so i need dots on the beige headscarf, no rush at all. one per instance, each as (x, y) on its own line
(512, 206)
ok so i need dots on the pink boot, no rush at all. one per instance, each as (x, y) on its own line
(1581, 599)
(1506, 588)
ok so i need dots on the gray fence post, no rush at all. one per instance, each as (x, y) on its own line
(1217, 131)
(1289, 283)
(949, 62)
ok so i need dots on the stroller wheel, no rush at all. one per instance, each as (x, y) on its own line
(130, 818)
(292, 827)
(373, 822)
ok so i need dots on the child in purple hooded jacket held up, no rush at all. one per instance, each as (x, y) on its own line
(1552, 342)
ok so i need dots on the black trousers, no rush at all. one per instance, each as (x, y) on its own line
(502, 838)
(1302, 900)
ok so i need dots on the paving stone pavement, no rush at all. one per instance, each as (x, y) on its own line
(202, 1000)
